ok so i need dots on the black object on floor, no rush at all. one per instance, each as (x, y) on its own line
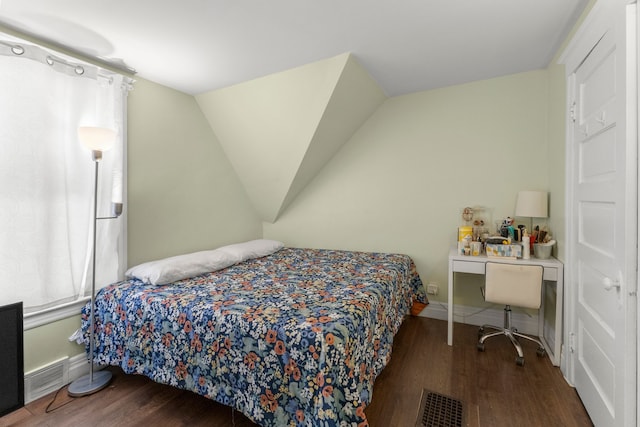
(11, 358)
(437, 410)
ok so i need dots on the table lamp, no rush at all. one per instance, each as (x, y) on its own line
(531, 204)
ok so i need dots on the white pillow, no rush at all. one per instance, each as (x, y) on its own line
(180, 267)
(252, 249)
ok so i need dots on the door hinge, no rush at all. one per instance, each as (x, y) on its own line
(572, 342)
(572, 111)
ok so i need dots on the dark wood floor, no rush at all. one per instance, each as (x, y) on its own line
(494, 391)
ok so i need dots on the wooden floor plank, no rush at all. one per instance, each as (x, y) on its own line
(493, 389)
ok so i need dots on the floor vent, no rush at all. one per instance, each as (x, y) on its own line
(45, 380)
(437, 410)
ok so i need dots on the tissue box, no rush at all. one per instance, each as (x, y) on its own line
(504, 251)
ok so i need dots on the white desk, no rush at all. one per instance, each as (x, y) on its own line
(553, 272)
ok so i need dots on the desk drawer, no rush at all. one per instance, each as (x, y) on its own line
(469, 267)
(550, 274)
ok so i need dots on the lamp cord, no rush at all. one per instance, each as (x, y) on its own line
(48, 409)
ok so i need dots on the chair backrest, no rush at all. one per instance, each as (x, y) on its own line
(513, 284)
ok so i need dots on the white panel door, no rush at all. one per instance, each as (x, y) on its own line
(603, 238)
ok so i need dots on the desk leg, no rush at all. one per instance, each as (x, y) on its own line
(450, 305)
(559, 317)
(541, 316)
(553, 353)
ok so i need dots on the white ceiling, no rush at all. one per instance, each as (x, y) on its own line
(406, 45)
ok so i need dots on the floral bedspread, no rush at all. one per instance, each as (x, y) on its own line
(296, 338)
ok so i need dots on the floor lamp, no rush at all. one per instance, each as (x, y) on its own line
(97, 140)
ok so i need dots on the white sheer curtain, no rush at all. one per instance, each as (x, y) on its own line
(46, 176)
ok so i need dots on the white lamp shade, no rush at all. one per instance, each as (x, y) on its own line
(531, 204)
(97, 139)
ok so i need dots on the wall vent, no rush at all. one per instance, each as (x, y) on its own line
(45, 380)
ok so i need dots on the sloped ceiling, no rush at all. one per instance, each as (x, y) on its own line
(278, 131)
(196, 46)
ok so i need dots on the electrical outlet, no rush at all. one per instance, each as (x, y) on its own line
(432, 289)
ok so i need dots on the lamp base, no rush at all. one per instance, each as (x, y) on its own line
(86, 385)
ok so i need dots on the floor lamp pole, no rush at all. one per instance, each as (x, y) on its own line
(93, 382)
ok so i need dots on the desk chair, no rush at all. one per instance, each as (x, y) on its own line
(512, 284)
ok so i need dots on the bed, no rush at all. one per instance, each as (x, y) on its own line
(294, 338)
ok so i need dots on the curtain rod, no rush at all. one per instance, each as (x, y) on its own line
(67, 50)
(77, 69)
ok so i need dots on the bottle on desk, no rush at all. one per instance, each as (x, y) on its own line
(526, 248)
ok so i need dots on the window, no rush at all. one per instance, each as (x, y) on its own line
(47, 176)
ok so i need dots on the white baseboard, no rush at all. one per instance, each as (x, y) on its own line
(78, 366)
(527, 324)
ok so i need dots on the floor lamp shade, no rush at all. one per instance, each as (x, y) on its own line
(96, 138)
(532, 204)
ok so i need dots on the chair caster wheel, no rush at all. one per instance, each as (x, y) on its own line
(541, 352)
(520, 361)
(480, 346)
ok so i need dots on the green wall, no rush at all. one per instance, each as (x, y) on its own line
(278, 131)
(183, 194)
(400, 183)
(48, 343)
(556, 112)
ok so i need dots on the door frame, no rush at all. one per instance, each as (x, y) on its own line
(595, 25)
(637, 112)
